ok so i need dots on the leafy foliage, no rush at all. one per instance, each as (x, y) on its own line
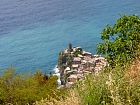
(110, 87)
(121, 41)
(117, 85)
(19, 89)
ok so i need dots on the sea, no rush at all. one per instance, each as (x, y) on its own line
(33, 32)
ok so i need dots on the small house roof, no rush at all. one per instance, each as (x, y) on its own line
(79, 55)
(101, 58)
(84, 61)
(75, 65)
(96, 55)
(76, 59)
(73, 76)
(67, 69)
(84, 52)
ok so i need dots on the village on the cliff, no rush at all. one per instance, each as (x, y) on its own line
(74, 63)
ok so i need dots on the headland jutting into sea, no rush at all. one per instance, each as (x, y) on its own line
(74, 64)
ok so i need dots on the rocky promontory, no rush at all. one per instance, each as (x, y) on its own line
(74, 63)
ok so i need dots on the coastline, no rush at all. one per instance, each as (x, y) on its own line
(57, 73)
(74, 64)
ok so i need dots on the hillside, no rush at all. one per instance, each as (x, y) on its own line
(117, 84)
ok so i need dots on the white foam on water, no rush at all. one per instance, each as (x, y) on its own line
(56, 72)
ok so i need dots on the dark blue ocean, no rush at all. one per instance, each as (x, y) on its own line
(32, 32)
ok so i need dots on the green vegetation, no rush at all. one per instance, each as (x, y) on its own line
(119, 83)
(19, 89)
(111, 87)
(77, 52)
(121, 41)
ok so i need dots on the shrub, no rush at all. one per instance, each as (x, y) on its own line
(21, 89)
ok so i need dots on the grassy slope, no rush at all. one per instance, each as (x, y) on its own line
(118, 86)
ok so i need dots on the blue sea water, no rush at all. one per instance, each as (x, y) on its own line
(33, 32)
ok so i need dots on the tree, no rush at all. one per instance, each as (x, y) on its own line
(121, 41)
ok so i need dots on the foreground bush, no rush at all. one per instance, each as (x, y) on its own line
(19, 89)
(112, 87)
(72, 98)
(117, 86)
(119, 83)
